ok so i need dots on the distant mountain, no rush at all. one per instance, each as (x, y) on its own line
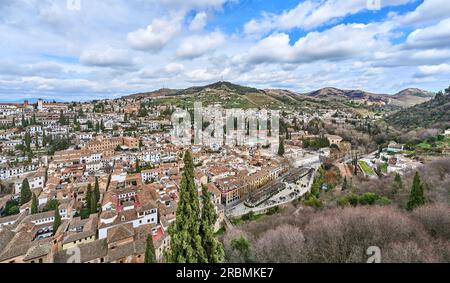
(412, 96)
(256, 97)
(335, 93)
(434, 113)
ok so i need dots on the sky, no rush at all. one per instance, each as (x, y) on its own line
(77, 50)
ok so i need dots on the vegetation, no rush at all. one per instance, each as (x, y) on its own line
(34, 204)
(430, 114)
(343, 235)
(416, 198)
(186, 242)
(366, 168)
(150, 256)
(57, 221)
(25, 192)
(365, 199)
(213, 248)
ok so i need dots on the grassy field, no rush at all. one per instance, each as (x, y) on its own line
(366, 168)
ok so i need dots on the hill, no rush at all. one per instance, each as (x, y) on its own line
(412, 96)
(232, 95)
(434, 113)
(335, 93)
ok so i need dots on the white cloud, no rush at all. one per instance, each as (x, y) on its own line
(437, 36)
(174, 68)
(434, 69)
(428, 11)
(196, 46)
(156, 35)
(308, 15)
(106, 57)
(338, 43)
(198, 22)
(194, 3)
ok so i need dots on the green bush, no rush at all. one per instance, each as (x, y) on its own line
(365, 199)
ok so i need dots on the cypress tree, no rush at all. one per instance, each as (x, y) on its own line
(213, 248)
(150, 256)
(57, 221)
(96, 190)
(416, 198)
(34, 204)
(281, 147)
(186, 243)
(93, 204)
(398, 185)
(27, 139)
(345, 184)
(88, 196)
(25, 192)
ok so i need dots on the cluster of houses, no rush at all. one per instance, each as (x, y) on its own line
(137, 171)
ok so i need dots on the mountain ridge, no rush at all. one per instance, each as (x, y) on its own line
(405, 97)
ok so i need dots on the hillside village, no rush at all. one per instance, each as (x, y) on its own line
(107, 172)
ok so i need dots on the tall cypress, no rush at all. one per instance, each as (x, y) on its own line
(213, 248)
(96, 190)
(57, 221)
(416, 198)
(93, 204)
(25, 192)
(150, 256)
(398, 185)
(88, 196)
(281, 147)
(186, 242)
(34, 204)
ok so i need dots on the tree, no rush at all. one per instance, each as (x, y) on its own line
(150, 256)
(34, 204)
(416, 198)
(96, 190)
(25, 192)
(186, 242)
(27, 140)
(88, 196)
(281, 147)
(345, 184)
(36, 141)
(213, 248)
(398, 185)
(57, 221)
(93, 204)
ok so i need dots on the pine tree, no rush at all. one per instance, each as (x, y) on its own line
(281, 147)
(416, 198)
(96, 190)
(150, 256)
(186, 243)
(34, 204)
(213, 248)
(25, 192)
(57, 221)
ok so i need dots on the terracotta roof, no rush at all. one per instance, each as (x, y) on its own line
(120, 232)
